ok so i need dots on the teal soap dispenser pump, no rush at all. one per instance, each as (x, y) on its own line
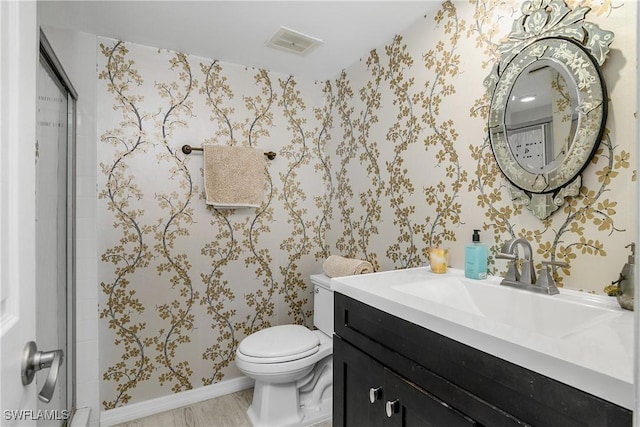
(475, 258)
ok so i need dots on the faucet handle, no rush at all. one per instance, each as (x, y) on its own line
(512, 272)
(545, 280)
(554, 263)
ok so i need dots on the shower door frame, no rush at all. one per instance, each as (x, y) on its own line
(50, 61)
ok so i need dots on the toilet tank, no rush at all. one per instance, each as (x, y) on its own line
(322, 303)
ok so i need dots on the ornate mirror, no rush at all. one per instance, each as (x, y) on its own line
(548, 103)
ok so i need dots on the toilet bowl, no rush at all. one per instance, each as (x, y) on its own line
(292, 366)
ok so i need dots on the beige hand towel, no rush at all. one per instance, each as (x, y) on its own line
(234, 177)
(336, 266)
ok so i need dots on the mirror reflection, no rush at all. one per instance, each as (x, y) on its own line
(541, 116)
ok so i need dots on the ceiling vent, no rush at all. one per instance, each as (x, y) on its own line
(293, 41)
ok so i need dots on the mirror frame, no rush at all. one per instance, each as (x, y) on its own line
(549, 30)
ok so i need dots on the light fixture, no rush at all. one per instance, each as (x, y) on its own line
(528, 98)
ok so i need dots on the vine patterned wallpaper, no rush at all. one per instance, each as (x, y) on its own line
(414, 168)
(182, 283)
(382, 162)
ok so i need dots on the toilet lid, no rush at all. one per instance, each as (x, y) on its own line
(281, 343)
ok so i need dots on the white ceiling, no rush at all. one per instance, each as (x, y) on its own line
(235, 31)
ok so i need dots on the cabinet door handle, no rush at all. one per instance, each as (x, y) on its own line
(375, 393)
(392, 407)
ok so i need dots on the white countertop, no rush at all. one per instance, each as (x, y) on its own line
(597, 357)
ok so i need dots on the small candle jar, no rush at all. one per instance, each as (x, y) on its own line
(438, 259)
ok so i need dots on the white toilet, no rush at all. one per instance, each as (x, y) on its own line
(292, 366)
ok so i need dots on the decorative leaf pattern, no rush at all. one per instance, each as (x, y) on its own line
(123, 310)
(402, 134)
(179, 312)
(224, 249)
(183, 283)
(443, 65)
(463, 186)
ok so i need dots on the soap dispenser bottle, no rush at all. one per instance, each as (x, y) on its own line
(475, 258)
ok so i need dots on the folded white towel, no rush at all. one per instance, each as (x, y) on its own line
(234, 177)
(336, 266)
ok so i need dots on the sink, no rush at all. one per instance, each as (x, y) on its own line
(553, 316)
(577, 338)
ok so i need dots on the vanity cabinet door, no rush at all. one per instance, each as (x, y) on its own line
(368, 394)
(358, 387)
(406, 405)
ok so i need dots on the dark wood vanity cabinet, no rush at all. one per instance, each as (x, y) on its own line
(376, 396)
(390, 372)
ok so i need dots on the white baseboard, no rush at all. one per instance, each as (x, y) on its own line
(173, 401)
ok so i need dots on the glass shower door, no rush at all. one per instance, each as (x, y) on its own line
(54, 242)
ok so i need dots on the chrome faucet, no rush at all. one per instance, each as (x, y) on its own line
(526, 279)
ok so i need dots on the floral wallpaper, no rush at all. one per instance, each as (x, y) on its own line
(183, 283)
(383, 161)
(413, 163)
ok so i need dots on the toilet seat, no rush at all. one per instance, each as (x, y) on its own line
(279, 344)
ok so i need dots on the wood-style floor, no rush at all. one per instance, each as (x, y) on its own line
(224, 411)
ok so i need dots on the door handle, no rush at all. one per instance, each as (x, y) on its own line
(34, 360)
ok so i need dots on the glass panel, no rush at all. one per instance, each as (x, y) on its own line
(51, 233)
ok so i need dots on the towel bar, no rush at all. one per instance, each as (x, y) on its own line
(187, 149)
